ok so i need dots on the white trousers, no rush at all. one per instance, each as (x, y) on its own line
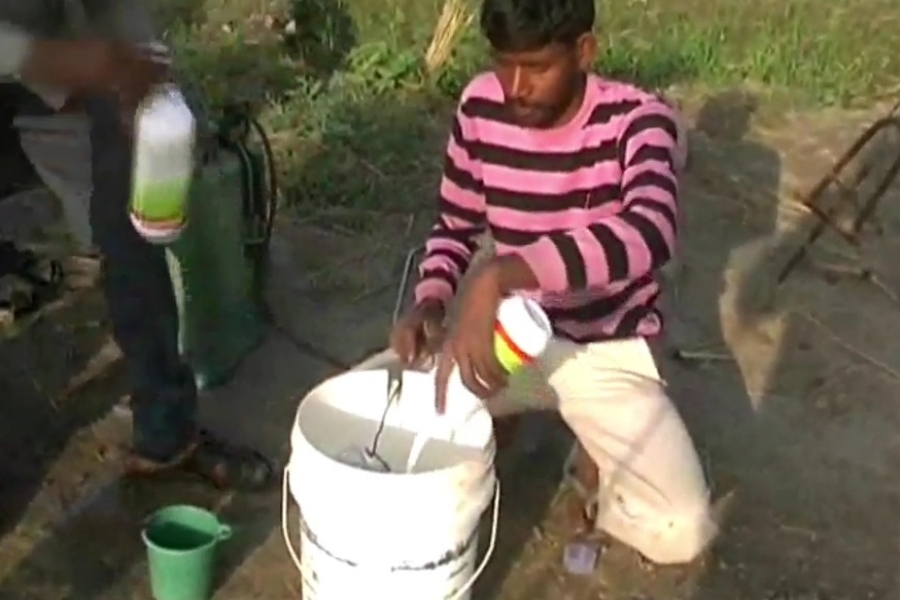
(653, 494)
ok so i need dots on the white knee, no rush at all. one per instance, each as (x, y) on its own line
(665, 538)
(653, 494)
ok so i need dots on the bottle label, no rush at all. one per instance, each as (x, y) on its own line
(510, 356)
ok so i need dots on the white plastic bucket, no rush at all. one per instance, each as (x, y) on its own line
(404, 536)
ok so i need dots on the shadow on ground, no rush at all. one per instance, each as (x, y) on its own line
(810, 485)
(39, 426)
(729, 181)
(79, 538)
(730, 192)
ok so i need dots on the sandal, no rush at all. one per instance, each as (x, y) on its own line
(43, 277)
(223, 464)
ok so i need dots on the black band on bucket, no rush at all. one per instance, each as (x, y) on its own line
(447, 558)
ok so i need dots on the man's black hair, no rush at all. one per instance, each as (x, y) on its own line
(524, 25)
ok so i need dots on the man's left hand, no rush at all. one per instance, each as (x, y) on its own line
(470, 345)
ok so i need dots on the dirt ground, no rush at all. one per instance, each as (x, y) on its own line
(790, 402)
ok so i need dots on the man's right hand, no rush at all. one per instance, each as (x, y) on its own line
(419, 335)
(93, 67)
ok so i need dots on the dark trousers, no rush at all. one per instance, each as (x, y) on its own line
(136, 280)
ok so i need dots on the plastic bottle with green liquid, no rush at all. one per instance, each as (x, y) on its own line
(165, 136)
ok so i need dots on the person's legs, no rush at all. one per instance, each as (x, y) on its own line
(139, 296)
(86, 162)
(652, 493)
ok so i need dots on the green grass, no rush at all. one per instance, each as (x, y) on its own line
(358, 126)
(826, 52)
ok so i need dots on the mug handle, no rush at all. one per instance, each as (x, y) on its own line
(225, 532)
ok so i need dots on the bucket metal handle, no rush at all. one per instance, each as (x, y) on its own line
(488, 554)
(403, 288)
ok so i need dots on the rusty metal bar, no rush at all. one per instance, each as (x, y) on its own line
(833, 178)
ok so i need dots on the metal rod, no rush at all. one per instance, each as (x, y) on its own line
(408, 267)
(833, 177)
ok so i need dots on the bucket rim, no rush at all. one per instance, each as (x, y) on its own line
(489, 455)
(346, 375)
(488, 451)
(224, 531)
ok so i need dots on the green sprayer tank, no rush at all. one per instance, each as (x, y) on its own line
(216, 264)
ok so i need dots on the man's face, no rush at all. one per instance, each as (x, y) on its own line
(540, 85)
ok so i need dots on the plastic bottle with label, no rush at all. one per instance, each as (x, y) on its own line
(165, 136)
(521, 332)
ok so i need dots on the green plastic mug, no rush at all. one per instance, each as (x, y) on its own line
(181, 550)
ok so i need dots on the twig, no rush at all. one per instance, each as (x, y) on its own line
(410, 223)
(374, 291)
(798, 530)
(839, 270)
(840, 252)
(793, 200)
(885, 289)
(701, 356)
(369, 165)
(849, 347)
(896, 106)
(858, 272)
(455, 17)
(100, 364)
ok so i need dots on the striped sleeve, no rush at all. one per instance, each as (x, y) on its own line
(638, 239)
(461, 218)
